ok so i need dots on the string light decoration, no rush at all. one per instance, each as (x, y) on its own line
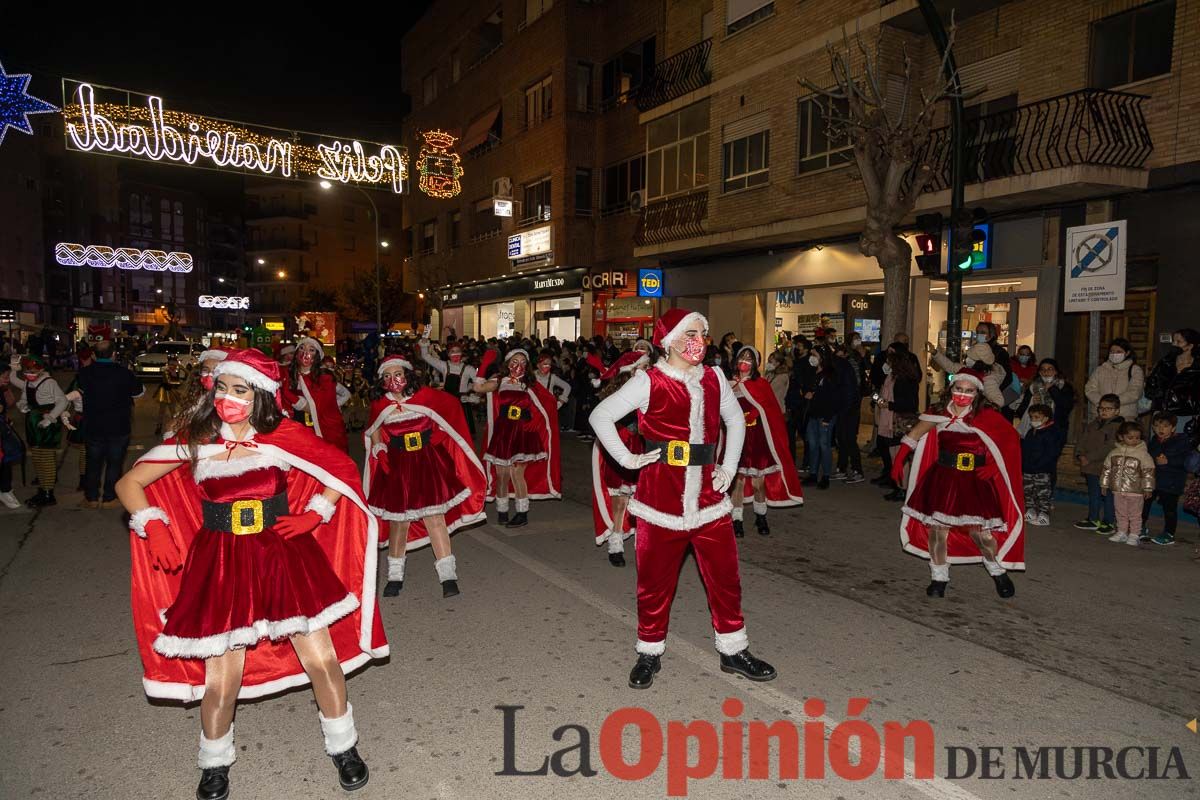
(221, 301)
(16, 104)
(153, 132)
(102, 256)
(439, 165)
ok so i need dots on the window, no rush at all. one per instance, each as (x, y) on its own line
(538, 102)
(621, 180)
(348, 213)
(164, 218)
(455, 229)
(485, 223)
(1133, 46)
(583, 86)
(347, 242)
(428, 243)
(817, 151)
(677, 152)
(741, 14)
(455, 66)
(135, 214)
(583, 192)
(537, 201)
(746, 161)
(178, 227)
(625, 72)
(429, 88)
(535, 8)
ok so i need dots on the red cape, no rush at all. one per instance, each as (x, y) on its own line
(451, 432)
(782, 487)
(602, 462)
(348, 541)
(321, 394)
(1004, 449)
(544, 478)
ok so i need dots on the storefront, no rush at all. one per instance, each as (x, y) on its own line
(619, 307)
(546, 303)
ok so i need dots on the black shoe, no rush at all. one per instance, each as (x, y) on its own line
(882, 480)
(1004, 585)
(616, 559)
(895, 495)
(501, 517)
(41, 499)
(760, 524)
(519, 520)
(809, 481)
(393, 588)
(936, 588)
(449, 588)
(823, 483)
(739, 530)
(643, 672)
(744, 664)
(214, 784)
(352, 770)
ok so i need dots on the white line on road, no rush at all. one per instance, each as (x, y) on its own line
(936, 788)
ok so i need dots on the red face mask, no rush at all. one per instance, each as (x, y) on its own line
(395, 383)
(31, 376)
(516, 370)
(744, 367)
(231, 409)
(207, 382)
(544, 367)
(306, 357)
(455, 357)
(961, 399)
(693, 350)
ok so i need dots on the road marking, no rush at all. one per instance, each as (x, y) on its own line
(936, 788)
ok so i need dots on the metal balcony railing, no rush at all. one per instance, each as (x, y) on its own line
(1090, 126)
(673, 77)
(672, 219)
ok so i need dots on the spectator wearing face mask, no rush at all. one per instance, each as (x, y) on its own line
(779, 377)
(1050, 389)
(987, 333)
(980, 357)
(1026, 366)
(1174, 385)
(1120, 375)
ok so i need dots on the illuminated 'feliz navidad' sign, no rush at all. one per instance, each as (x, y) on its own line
(105, 120)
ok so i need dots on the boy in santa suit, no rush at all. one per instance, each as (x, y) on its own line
(681, 498)
(315, 395)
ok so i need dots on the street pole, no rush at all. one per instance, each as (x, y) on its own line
(954, 277)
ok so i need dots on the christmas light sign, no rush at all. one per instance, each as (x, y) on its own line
(221, 301)
(119, 122)
(102, 256)
(439, 165)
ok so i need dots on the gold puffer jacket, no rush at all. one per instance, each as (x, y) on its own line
(1128, 470)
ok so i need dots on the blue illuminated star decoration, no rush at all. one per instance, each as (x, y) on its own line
(16, 104)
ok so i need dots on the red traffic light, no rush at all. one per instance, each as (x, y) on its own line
(928, 245)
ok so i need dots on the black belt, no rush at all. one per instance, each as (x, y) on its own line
(410, 442)
(678, 453)
(244, 516)
(515, 412)
(964, 462)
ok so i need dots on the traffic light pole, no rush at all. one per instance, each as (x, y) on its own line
(954, 276)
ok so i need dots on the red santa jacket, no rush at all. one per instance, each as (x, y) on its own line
(319, 391)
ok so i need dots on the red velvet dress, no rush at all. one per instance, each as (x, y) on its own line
(517, 430)
(948, 496)
(756, 457)
(617, 479)
(421, 480)
(238, 589)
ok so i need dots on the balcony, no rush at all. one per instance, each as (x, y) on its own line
(672, 219)
(684, 72)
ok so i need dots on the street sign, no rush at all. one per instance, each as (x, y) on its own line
(1095, 267)
(534, 242)
(650, 283)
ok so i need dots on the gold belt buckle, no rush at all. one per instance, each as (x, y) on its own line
(412, 441)
(514, 412)
(308, 419)
(256, 522)
(965, 462)
(678, 453)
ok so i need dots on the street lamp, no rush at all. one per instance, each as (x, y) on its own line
(262, 261)
(281, 274)
(378, 244)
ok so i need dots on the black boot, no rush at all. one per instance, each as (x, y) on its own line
(643, 672)
(1004, 585)
(449, 588)
(882, 480)
(41, 499)
(214, 784)
(738, 530)
(352, 770)
(760, 524)
(393, 588)
(519, 520)
(501, 517)
(744, 664)
(616, 559)
(936, 588)
(823, 483)
(895, 495)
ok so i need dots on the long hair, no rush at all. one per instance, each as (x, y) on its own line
(1125, 345)
(200, 424)
(414, 381)
(979, 402)
(754, 373)
(315, 371)
(528, 379)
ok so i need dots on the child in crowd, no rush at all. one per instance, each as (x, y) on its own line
(1129, 475)
(1040, 448)
(1094, 444)
(1169, 451)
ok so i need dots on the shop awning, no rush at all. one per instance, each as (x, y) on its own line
(477, 131)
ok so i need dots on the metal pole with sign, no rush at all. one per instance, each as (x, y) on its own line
(1094, 278)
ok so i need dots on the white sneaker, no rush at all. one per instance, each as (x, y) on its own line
(1043, 519)
(9, 499)
(1132, 539)
(1120, 538)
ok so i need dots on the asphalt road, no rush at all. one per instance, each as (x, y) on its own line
(1094, 651)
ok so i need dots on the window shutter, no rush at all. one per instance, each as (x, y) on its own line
(997, 76)
(736, 9)
(747, 126)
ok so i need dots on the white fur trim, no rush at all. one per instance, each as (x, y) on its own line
(395, 568)
(321, 504)
(212, 355)
(651, 648)
(313, 343)
(752, 349)
(138, 519)
(447, 568)
(689, 320)
(340, 733)
(502, 503)
(939, 572)
(993, 568)
(936, 419)
(522, 504)
(309, 404)
(908, 440)
(394, 360)
(219, 643)
(219, 467)
(641, 362)
(247, 373)
(616, 542)
(969, 378)
(518, 351)
(692, 476)
(287, 349)
(415, 514)
(378, 449)
(941, 520)
(518, 458)
(624, 490)
(760, 508)
(729, 644)
(681, 522)
(218, 752)
(737, 513)
(751, 472)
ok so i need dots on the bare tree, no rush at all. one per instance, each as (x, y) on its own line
(891, 151)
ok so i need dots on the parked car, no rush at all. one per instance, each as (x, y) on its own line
(151, 363)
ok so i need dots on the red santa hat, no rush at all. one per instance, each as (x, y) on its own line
(313, 343)
(254, 367)
(643, 344)
(970, 376)
(214, 354)
(752, 349)
(516, 351)
(672, 324)
(394, 361)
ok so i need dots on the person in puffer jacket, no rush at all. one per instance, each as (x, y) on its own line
(1170, 452)
(1129, 475)
(1041, 446)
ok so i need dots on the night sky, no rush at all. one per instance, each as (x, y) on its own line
(327, 71)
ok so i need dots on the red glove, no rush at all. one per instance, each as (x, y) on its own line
(297, 524)
(164, 552)
(898, 464)
(381, 461)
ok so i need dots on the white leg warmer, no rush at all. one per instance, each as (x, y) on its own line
(616, 542)
(396, 568)
(340, 733)
(730, 643)
(522, 504)
(446, 569)
(993, 567)
(651, 648)
(939, 572)
(738, 513)
(502, 504)
(760, 508)
(217, 752)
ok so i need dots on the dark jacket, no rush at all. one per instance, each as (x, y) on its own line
(1172, 476)
(905, 396)
(1174, 391)
(847, 377)
(108, 391)
(826, 400)
(1041, 448)
(803, 380)
(1064, 400)
(1095, 442)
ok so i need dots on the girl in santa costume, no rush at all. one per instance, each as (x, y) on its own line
(253, 567)
(766, 467)
(550, 380)
(314, 393)
(422, 475)
(965, 503)
(43, 403)
(681, 499)
(613, 484)
(522, 438)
